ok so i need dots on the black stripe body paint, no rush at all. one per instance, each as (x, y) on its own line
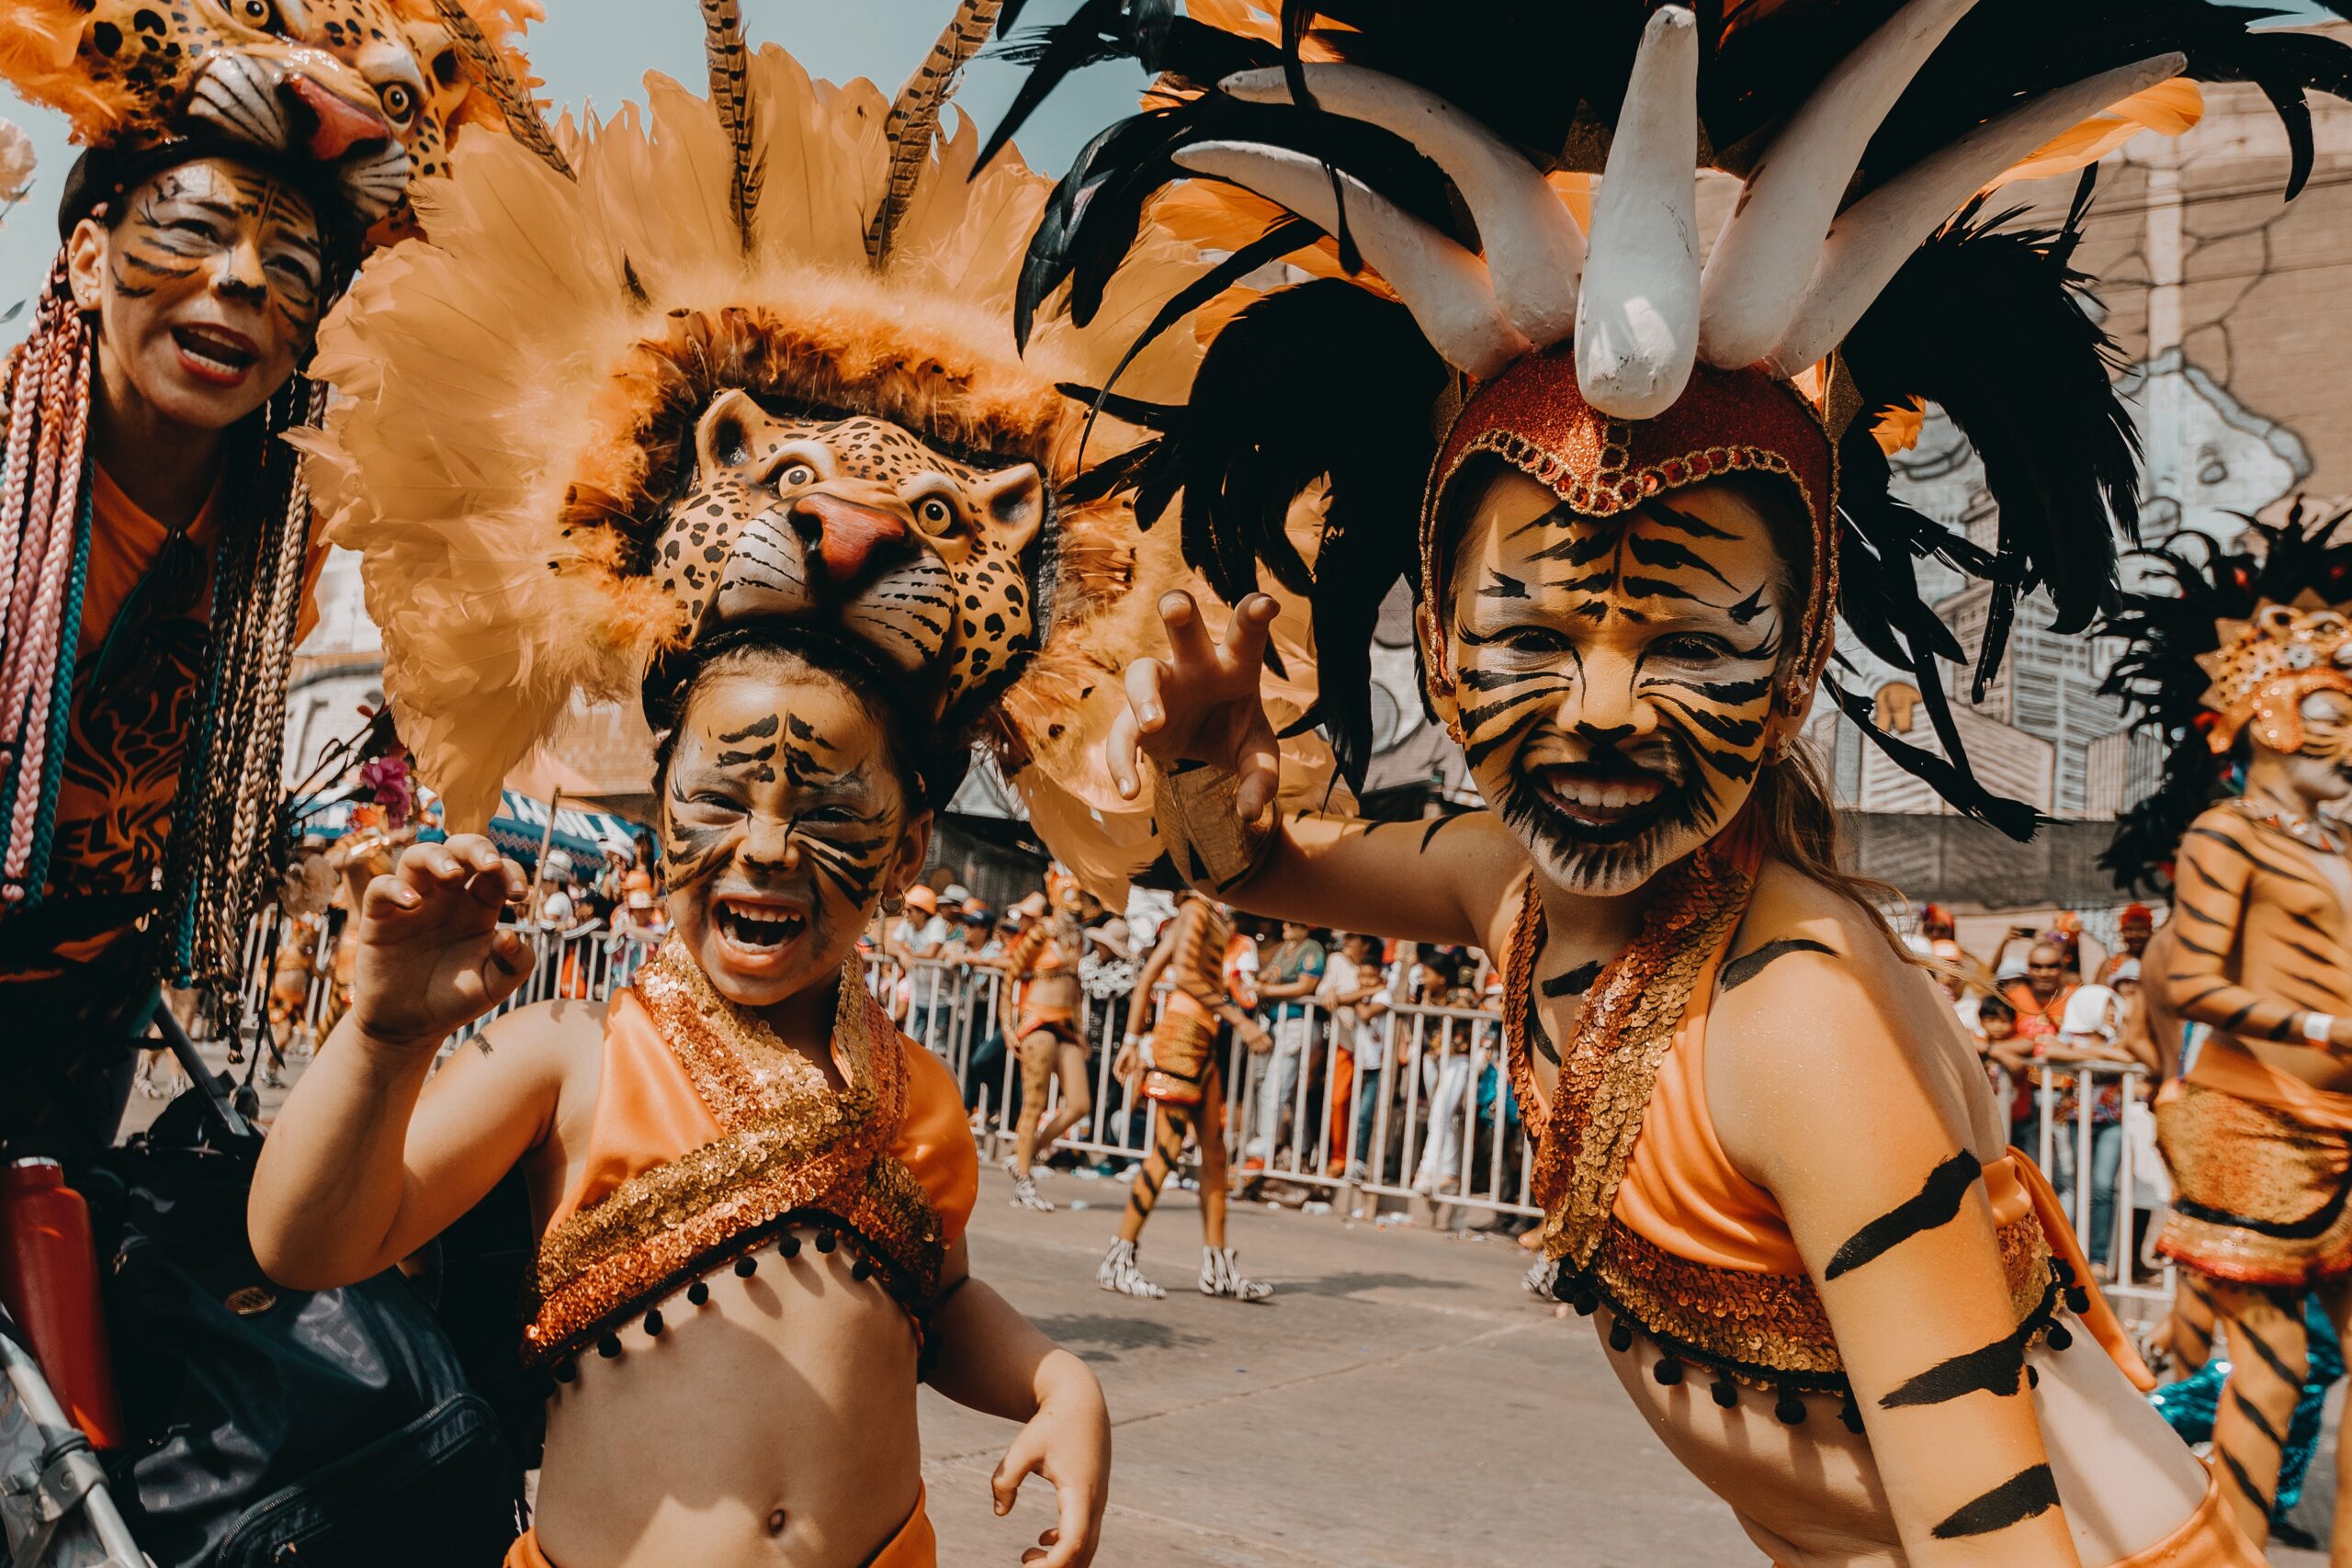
(2014, 1501)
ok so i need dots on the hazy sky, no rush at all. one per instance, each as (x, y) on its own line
(598, 51)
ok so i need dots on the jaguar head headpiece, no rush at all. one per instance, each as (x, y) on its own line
(369, 88)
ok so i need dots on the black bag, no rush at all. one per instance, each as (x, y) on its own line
(273, 1427)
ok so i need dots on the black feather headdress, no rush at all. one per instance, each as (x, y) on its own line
(2195, 585)
(1416, 155)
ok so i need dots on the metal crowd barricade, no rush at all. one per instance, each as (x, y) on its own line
(1418, 1105)
(2074, 1146)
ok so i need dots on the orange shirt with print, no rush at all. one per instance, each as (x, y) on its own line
(126, 742)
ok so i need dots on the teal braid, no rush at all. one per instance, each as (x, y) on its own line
(61, 702)
(181, 967)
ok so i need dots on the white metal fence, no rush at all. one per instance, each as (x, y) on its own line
(1415, 1102)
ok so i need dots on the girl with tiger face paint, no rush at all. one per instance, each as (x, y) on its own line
(786, 820)
(751, 1189)
(1767, 1159)
(1618, 673)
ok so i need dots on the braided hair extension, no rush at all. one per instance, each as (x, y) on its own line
(42, 533)
(224, 834)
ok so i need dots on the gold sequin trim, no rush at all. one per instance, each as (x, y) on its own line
(1764, 1325)
(1609, 1062)
(791, 1143)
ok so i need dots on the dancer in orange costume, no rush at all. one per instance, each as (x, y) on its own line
(2259, 1131)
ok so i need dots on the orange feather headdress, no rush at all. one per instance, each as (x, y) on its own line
(506, 385)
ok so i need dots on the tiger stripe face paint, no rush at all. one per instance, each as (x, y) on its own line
(209, 287)
(2322, 768)
(782, 826)
(1614, 677)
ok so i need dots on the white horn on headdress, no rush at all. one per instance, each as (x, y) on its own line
(1443, 285)
(1535, 251)
(1769, 244)
(1870, 240)
(1637, 319)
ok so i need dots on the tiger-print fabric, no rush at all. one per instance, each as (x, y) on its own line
(354, 82)
(855, 527)
(2259, 1198)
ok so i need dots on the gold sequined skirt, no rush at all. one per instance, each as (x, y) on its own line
(2258, 1197)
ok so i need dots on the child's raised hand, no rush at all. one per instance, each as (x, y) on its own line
(1201, 703)
(431, 957)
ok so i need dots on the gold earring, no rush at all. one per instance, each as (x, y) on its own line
(894, 903)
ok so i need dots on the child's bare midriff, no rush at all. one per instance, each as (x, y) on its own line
(774, 1424)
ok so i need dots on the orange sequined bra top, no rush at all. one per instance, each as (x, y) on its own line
(713, 1140)
(1747, 1311)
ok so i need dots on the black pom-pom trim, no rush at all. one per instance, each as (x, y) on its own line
(1668, 1371)
(565, 1370)
(1621, 1336)
(653, 1321)
(789, 1245)
(1789, 1408)
(697, 1293)
(1725, 1392)
(609, 1347)
(746, 1265)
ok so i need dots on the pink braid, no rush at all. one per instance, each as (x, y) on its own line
(48, 617)
(37, 548)
(25, 370)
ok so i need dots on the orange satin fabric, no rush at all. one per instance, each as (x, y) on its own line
(915, 1546)
(1682, 1192)
(648, 1114)
(2225, 1064)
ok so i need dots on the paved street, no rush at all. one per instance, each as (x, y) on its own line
(1401, 1403)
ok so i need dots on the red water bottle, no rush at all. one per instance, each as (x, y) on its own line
(49, 1280)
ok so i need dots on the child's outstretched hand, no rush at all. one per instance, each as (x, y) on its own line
(1201, 703)
(432, 958)
(1069, 1443)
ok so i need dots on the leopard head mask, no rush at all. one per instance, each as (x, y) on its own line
(855, 527)
(367, 87)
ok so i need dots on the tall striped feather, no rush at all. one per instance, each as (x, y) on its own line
(489, 70)
(915, 116)
(730, 95)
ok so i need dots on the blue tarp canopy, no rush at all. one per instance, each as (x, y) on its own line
(517, 830)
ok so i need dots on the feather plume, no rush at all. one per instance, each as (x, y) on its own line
(914, 115)
(725, 53)
(491, 71)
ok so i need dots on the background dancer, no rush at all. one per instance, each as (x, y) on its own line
(2258, 1134)
(1049, 1031)
(1184, 1081)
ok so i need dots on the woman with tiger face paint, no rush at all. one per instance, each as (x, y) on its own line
(1831, 1287)
(2258, 1131)
(188, 289)
(750, 1188)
